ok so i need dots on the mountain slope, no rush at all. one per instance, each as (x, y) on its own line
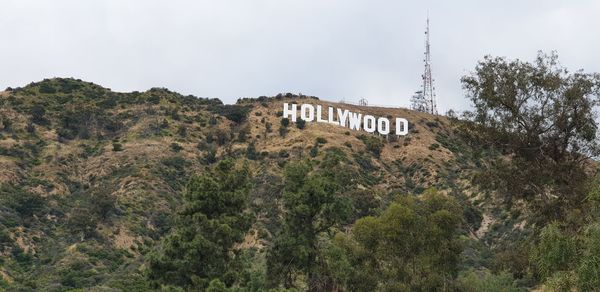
(91, 179)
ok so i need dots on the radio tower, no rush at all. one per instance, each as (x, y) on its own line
(428, 89)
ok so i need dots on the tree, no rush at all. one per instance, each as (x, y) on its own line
(555, 251)
(568, 257)
(313, 205)
(82, 221)
(540, 115)
(589, 269)
(412, 246)
(103, 201)
(200, 248)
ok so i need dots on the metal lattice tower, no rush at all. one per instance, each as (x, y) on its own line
(428, 89)
(418, 102)
(363, 102)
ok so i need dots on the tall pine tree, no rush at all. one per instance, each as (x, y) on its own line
(200, 248)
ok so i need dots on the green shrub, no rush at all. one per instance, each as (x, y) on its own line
(373, 144)
(300, 124)
(243, 134)
(30, 128)
(484, 281)
(211, 155)
(6, 124)
(38, 115)
(46, 87)
(23, 202)
(233, 112)
(282, 131)
(117, 146)
(589, 267)
(432, 124)
(562, 281)
(182, 131)
(434, 146)
(251, 152)
(175, 147)
(314, 150)
(164, 124)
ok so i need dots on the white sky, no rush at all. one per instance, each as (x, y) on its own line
(334, 49)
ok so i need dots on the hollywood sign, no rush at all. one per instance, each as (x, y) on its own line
(345, 118)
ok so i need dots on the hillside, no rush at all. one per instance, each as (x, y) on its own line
(91, 179)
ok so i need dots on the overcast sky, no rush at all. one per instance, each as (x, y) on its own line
(334, 49)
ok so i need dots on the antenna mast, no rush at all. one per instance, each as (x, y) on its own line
(428, 89)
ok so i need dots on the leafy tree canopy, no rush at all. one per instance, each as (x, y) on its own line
(542, 116)
(200, 248)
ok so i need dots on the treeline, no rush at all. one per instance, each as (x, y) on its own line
(541, 117)
(414, 244)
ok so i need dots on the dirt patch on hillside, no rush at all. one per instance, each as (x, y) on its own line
(124, 240)
(11, 173)
(6, 277)
(486, 222)
(24, 243)
(252, 240)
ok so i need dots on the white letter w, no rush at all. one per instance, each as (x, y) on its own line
(355, 120)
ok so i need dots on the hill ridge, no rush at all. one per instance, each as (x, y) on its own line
(94, 178)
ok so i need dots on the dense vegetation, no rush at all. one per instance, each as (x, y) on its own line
(543, 118)
(154, 190)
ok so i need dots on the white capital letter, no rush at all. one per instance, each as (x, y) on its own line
(355, 120)
(401, 126)
(342, 116)
(330, 116)
(320, 115)
(383, 126)
(369, 124)
(311, 112)
(287, 112)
